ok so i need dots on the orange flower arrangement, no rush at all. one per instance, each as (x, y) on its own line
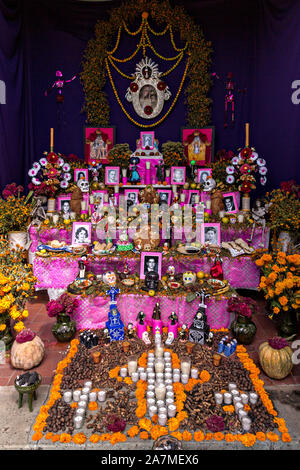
(178, 435)
(94, 438)
(187, 436)
(144, 435)
(248, 439)
(199, 436)
(79, 438)
(219, 436)
(260, 436)
(230, 437)
(205, 376)
(93, 405)
(117, 437)
(145, 423)
(173, 424)
(158, 431)
(64, 437)
(133, 431)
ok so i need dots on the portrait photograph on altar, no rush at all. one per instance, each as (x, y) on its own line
(149, 229)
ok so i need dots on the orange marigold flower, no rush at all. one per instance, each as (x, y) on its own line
(286, 437)
(117, 437)
(48, 435)
(208, 437)
(154, 419)
(272, 436)
(144, 435)
(198, 436)
(94, 438)
(248, 439)
(55, 438)
(128, 380)
(230, 437)
(65, 437)
(93, 405)
(177, 435)
(79, 438)
(173, 424)
(37, 436)
(228, 408)
(219, 436)
(205, 376)
(187, 436)
(74, 404)
(145, 423)
(133, 431)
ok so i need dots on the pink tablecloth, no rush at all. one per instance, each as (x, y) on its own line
(54, 272)
(93, 313)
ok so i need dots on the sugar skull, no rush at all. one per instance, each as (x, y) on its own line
(109, 278)
(209, 184)
(83, 185)
(188, 278)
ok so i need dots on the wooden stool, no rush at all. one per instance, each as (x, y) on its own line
(30, 390)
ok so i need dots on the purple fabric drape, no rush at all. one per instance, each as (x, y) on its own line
(257, 40)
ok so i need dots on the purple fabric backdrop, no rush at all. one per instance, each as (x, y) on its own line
(259, 41)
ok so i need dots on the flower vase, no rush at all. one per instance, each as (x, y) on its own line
(64, 329)
(6, 335)
(287, 324)
(18, 239)
(243, 329)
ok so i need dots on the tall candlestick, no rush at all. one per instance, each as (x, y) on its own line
(51, 140)
(247, 134)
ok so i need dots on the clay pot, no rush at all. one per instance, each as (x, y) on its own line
(126, 346)
(217, 359)
(96, 357)
(189, 347)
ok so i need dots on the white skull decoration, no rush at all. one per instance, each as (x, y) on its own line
(83, 185)
(209, 184)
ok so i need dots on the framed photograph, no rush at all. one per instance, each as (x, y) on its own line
(98, 141)
(99, 196)
(178, 174)
(199, 144)
(112, 175)
(192, 196)
(81, 173)
(230, 203)
(64, 203)
(203, 174)
(211, 234)
(81, 233)
(132, 196)
(150, 261)
(147, 140)
(165, 196)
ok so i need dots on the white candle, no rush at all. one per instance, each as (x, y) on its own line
(150, 355)
(132, 366)
(221, 214)
(194, 373)
(150, 402)
(152, 410)
(168, 370)
(141, 369)
(86, 390)
(246, 424)
(73, 215)
(67, 397)
(184, 378)
(185, 367)
(102, 395)
(80, 412)
(168, 375)
(143, 376)
(237, 400)
(123, 372)
(159, 350)
(151, 375)
(83, 398)
(253, 398)
(150, 394)
(159, 375)
(170, 394)
(169, 401)
(244, 398)
(176, 371)
(135, 376)
(88, 384)
(150, 388)
(172, 411)
(151, 382)
(76, 395)
(227, 398)
(148, 165)
(55, 218)
(78, 421)
(238, 407)
(162, 410)
(159, 365)
(157, 338)
(160, 391)
(219, 398)
(232, 386)
(167, 355)
(93, 396)
(160, 404)
(83, 205)
(242, 414)
(176, 377)
(149, 370)
(162, 419)
(208, 204)
(169, 388)
(168, 382)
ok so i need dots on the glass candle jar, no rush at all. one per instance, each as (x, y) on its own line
(160, 391)
(172, 410)
(132, 365)
(67, 397)
(159, 350)
(102, 395)
(123, 372)
(76, 395)
(159, 365)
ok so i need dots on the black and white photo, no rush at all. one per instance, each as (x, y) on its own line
(150, 262)
(112, 175)
(230, 203)
(81, 233)
(211, 234)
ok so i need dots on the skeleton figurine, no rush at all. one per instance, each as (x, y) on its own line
(83, 185)
(259, 213)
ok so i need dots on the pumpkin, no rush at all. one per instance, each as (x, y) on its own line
(27, 355)
(276, 363)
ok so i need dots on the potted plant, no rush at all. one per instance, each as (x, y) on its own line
(243, 328)
(64, 329)
(16, 286)
(280, 283)
(15, 211)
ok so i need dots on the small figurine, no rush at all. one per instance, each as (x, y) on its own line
(259, 213)
(160, 171)
(145, 338)
(183, 332)
(210, 339)
(106, 336)
(81, 266)
(141, 317)
(171, 273)
(38, 213)
(134, 174)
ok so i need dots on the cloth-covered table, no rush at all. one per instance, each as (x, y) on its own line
(92, 313)
(58, 273)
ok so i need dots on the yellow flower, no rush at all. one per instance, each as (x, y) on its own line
(2, 327)
(19, 326)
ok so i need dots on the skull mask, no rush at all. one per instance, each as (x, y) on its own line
(209, 184)
(83, 185)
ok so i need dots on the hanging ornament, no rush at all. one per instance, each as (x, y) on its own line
(216, 270)
(229, 110)
(59, 84)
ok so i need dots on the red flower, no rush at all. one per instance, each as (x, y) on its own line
(246, 169)
(246, 187)
(148, 110)
(133, 87)
(161, 86)
(52, 173)
(52, 158)
(246, 152)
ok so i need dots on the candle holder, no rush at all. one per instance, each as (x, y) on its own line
(126, 346)
(189, 347)
(217, 359)
(76, 395)
(132, 365)
(102, 395)
(96, 357)
(185, 365)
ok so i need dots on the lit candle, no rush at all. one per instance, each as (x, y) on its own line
(135, 376)
(123, 372)
(102, 395)
(194, 373)
(160, 391)
(184, 378)
(152, 410)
